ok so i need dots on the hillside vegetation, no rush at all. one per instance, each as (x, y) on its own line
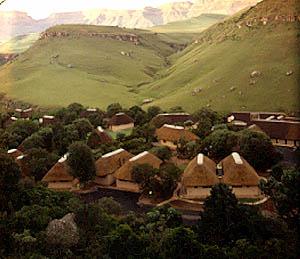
(73, 63)
(215, 71)
(193, 25)
(249, 61)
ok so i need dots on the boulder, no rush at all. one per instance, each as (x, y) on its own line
(255, 73)
(289, 73)
(70, 66)
(63, 231)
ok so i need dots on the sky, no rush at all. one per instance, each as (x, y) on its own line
(38, 9)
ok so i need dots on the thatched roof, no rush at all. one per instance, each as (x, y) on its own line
(99, 137)
(60, 172)
(173, 118)
(238, 172)
(120, 119)
(201, 171)
(280, 129)
(125, 172)
(110, 162)
(175, 133)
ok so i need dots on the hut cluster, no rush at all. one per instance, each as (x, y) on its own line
(283, 130)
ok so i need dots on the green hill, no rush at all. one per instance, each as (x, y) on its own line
(193, 25)
(19, 44)
(81, 63)
(97, 65)
(215, 70)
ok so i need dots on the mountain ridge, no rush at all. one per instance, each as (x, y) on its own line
(19, 23)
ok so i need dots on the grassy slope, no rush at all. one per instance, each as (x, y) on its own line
(19, 44)
(217, 63)
(193, 25)
(223, 59)
(100, 74)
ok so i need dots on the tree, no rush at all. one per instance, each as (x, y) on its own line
(81, 162)
(125, 243)
(146, 131)
(113, 109)
(204, 127)
(22, 129)
(39, 162)
(83, 127)
(110, 206)
(168, 176)
(142, 173)
(212, 116)
(153, 111)
(33, 141)
(9, 178)
(220, 144)
(76, 108)
(224, 220)
(179, 243)
(63, 136)
(162, 152)
(136, 145)
(138, 114)
(257, 148)
(66, 116)
(96, 118)
(285, 193)
(187, 150)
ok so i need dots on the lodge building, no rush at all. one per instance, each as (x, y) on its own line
(108, 164)
(120, 121)
(124, 176)
(169, 135)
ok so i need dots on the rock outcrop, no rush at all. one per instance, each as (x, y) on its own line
(63, 231)
(113, 36)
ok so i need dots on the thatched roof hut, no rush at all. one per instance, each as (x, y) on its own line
(125, 172)
(174, 118)
(110, 162)
(175, 133)
(99, 137)
(60, 172)
(201, 171)
(120, 119)
(238, 172)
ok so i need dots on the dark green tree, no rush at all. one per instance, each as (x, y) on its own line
(81, 162)
(180, 243)
(220, 144)
(113, 109)
(285, 193)
(153, 111)
(76, 108)
(163, 153)
(9, 178)
(22, 129)
(83, 127)
(39, 162)
(258, 148)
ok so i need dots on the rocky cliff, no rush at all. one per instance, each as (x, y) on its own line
(19, 23)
